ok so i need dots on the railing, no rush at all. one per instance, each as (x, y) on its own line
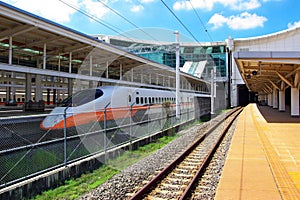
(26, 150)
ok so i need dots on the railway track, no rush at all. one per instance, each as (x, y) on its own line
(177, 180)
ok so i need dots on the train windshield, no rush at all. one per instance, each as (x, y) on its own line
(82, 97)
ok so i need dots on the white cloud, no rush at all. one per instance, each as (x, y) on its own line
(136, 8)
(53, 10)
(217, 20)
(245, 5)
(209, 4)
(188, 5)
(243, 21)
(246, 21)
(95, 8)
(58, 11)
(293, 25)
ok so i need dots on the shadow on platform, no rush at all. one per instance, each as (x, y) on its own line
(272, 115)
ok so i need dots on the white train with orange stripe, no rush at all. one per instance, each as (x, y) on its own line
(87, 106)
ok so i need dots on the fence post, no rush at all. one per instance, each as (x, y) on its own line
(105, 136)
(130, 128)
(148, 120)
(105, 132)
(65, 136)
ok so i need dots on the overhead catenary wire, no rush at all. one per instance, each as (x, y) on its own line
(199, 18)
(105, 24)
(170, 10)
(134, 25)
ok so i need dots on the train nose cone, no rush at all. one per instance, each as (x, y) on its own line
(54, 118)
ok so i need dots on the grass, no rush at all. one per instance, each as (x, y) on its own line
(189, 125)
(74, 188)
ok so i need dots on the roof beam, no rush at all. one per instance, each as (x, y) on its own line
(15, 31)
(69, 49)
(284, 79)
(274, 85)
(292, 72)
(266, 90)
(268, 87)
(297, 79)
(47, 40)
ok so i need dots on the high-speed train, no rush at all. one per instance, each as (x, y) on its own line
(88, 106)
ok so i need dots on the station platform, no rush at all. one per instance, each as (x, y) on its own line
(263, 161)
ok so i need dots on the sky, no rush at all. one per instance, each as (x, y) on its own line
(196, 20)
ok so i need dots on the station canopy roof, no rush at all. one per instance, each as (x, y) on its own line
(30, 36)
(264, 70)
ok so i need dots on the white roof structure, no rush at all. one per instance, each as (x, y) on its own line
(270, 61)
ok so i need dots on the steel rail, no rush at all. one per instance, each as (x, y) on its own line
(154, 182)
(208, 157)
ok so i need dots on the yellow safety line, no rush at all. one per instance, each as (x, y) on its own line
(285, 184)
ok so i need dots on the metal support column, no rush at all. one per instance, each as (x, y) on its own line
(70, 86)
(38, 88)
(70, 62)
(121, 72)
(28, 87)
(212, 91)
(10, 53)
(177, 77)
(59, 62)
(107, 69)
(44, 56)
(91, 65)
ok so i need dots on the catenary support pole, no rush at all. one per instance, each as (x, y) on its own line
(177, 77)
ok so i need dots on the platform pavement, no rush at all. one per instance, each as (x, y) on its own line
(263, 161)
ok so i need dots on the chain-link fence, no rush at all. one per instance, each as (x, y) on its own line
(26, 149)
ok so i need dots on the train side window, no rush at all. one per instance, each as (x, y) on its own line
(142, 100)
(156, 100)
(129, 98)
(146, 100)
(153, 100)
(137, 100)
(149, 100)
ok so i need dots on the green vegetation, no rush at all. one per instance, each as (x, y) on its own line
(25, 162)
(74, 188)
(225, 110)
(189, 125)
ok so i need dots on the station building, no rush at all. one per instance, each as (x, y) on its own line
(263, 69)
(197, 59)
(269, 68)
